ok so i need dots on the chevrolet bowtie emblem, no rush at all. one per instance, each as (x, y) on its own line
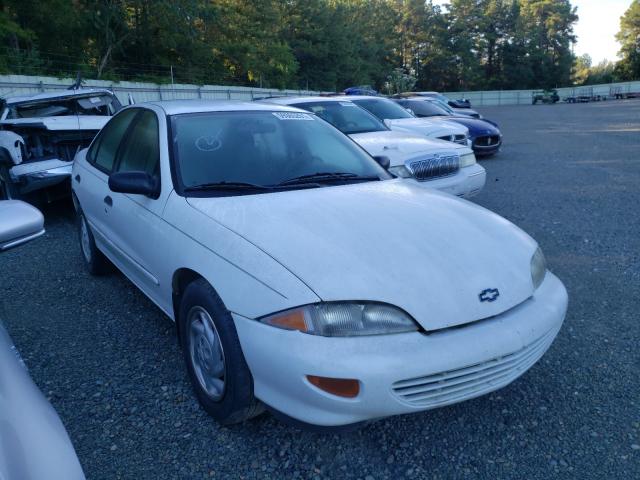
(489, 295)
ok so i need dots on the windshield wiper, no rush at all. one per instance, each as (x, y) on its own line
(328, 176)
(226, 186)
(240, 186)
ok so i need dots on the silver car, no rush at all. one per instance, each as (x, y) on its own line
(34, 444)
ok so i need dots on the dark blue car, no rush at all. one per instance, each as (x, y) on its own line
(485, 134)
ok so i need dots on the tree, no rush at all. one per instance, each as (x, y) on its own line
(628, 67)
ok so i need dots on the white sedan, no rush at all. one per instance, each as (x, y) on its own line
(429, 162)
(301, 275)
(400, 119)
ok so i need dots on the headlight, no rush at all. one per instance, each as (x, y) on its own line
(344, 319)
(401, 171)
(538, 268)
(467, 160)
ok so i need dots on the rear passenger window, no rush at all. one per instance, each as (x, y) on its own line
(140, 151)
(102, 153)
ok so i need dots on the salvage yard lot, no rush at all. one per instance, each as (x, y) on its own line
(568, 174)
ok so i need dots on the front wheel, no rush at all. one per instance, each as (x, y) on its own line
(215, 362)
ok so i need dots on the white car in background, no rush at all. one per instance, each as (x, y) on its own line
(446, 166)
(400, 119)
(300, 274)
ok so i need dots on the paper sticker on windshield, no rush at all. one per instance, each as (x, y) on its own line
(292, 116)
(347, 104)
(95, 99)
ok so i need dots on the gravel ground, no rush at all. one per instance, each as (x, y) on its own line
(568, 174)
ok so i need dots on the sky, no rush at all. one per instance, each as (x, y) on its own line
(596, 29)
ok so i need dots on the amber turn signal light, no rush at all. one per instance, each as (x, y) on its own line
(341, 387)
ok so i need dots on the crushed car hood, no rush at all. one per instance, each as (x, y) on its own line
(426, 252)
(67, 122)
(400, 146)
(426, 127)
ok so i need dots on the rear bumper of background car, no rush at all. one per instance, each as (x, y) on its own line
(400, 373)
(32, 176)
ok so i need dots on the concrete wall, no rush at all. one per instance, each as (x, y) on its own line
(24, 85)
(12, 85)
(524, 97)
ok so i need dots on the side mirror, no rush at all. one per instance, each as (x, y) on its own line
(383, 161)
(139, 183)
(410, 111)
(19, 223)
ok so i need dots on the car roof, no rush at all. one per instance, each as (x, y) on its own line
(309, 98)
(54, 95)
(178, 107)
(365, 97)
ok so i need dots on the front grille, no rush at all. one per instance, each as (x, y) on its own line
(487, 141)
(456, 385)
(435, 166)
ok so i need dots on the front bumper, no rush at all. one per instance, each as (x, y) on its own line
(32, 176)
(397, 372)
(466, 183)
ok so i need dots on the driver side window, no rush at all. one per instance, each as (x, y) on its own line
(140, 150)
(102, 153)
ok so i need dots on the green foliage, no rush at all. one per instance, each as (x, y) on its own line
(315, 44)
(629, 37)
(399, 81)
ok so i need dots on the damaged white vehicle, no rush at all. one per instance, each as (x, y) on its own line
(40, 135)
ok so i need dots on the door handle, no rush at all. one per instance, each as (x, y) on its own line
(108, 200)
(77, 178)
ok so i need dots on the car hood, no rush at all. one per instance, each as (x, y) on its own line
(428, 253)
(401, 146)
(423, 126)
(68, 122)
(475, 125)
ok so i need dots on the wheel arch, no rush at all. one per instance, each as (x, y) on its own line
(181, 279)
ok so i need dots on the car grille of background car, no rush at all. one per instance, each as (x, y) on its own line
(435, 166)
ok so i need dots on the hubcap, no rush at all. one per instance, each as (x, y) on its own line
(84, 240)
(207, 355)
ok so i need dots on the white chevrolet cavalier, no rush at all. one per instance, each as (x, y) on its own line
(300, 274)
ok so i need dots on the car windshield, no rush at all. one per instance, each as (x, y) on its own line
(383, 109)
(243, 152)
(100, 105)
(345, 116)
(424, 108)
(444, 106)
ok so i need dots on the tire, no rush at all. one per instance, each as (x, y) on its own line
(94, 259)
(216, 365)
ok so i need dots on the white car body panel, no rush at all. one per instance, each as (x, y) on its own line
(69, 122)
(425, 252)
(426, 127)
(521, 336)
(365, 225)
